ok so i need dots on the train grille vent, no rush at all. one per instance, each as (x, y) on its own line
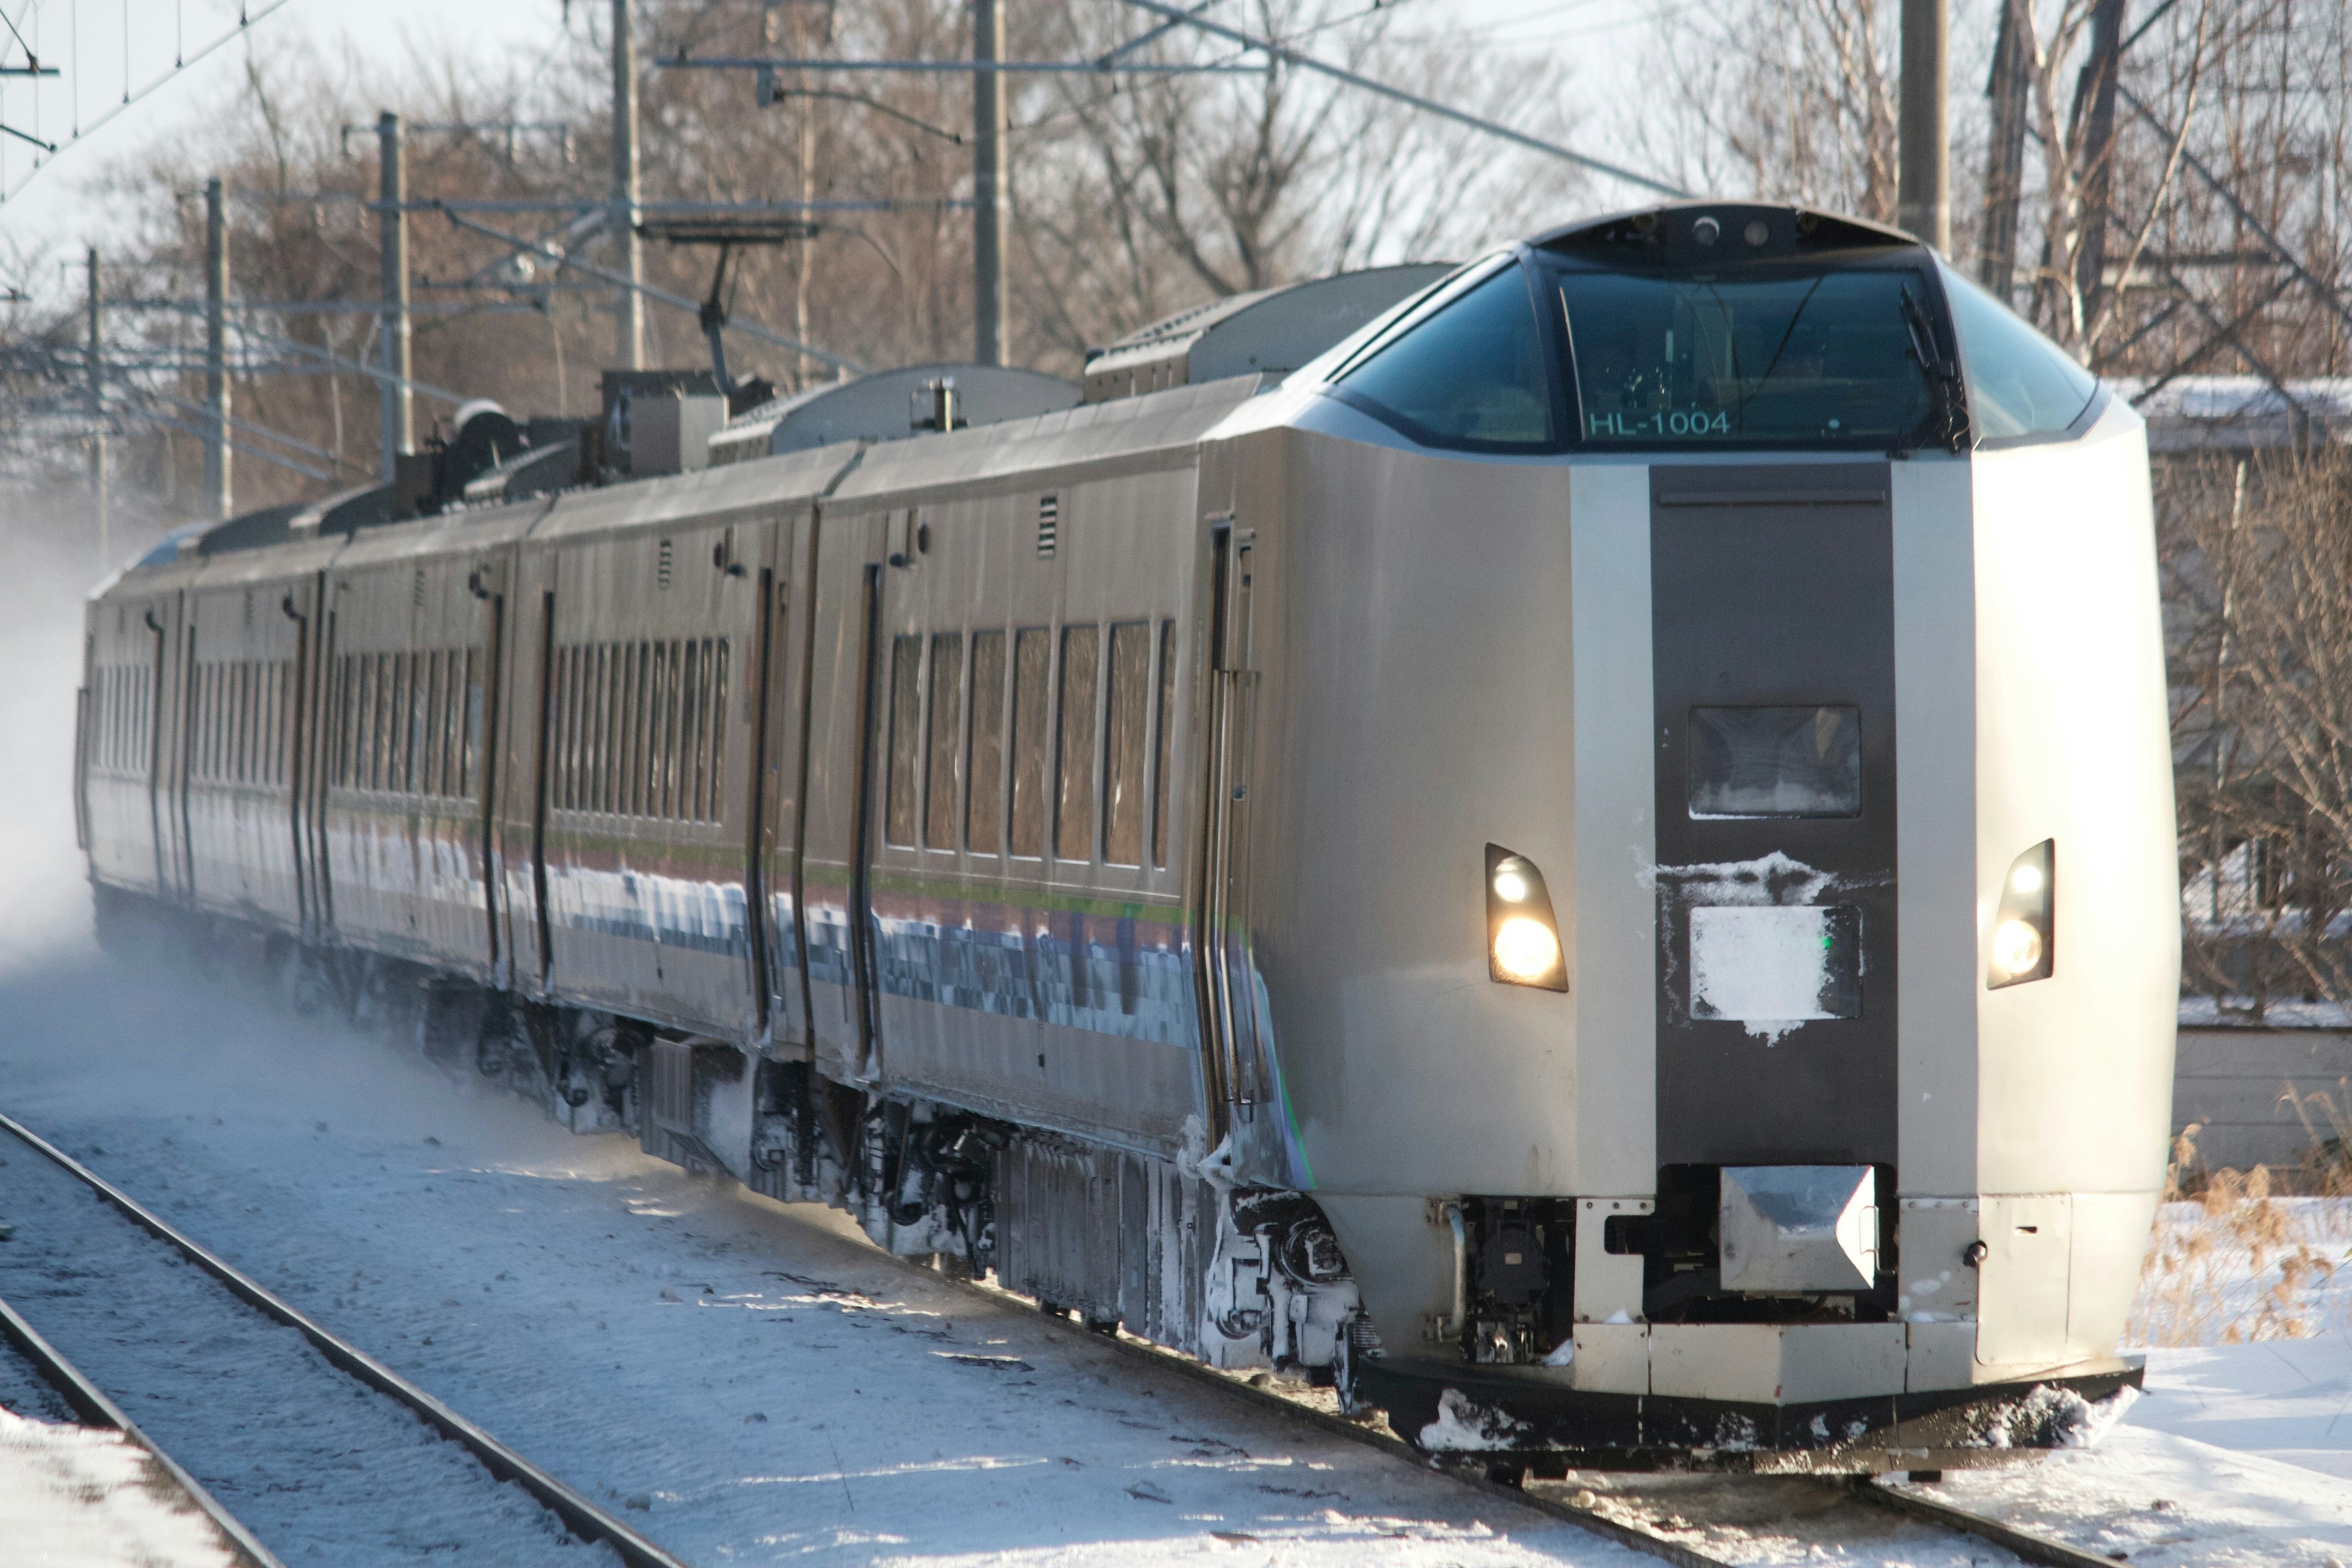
(1049, 523)
(661, 571)
(417, 593)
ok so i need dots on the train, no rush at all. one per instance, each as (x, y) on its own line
(1577, 847)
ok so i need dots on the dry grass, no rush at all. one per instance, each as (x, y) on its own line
(2235, 1259)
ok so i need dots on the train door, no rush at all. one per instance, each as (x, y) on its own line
(300, 605)
(780, 777)
(160, 630)
(1234, 1064)
(325, 700)
(487, 584)
(179, 751)
(836, 895)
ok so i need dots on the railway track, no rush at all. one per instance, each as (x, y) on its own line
(1642, 1513)
(579, 1515)
(90, 1403)
(1616, 1508)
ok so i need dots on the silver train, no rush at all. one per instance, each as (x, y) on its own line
(1593, 866)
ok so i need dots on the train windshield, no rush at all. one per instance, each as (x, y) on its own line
(1794, 355)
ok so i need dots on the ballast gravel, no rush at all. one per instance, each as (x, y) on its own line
(320, 1467)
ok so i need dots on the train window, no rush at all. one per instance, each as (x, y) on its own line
(718, 729)
(434, 752)
(1472, 374)
(1163, 726)
(1131, 718)
(468, 706)
(694, 770)
(565, 727)
(984, 821)
(1775, 762)
(1795, 354)
(661, 746)
(1032, 658)
(374, 672)
(638, 693)
(1073, 812)
(599, 698)
(410, 735)
(2020, 383)
(905, 719)
(942, 748)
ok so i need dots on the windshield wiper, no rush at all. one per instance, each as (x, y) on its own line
(1941, 372)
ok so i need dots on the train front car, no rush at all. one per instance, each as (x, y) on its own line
(1689, 751)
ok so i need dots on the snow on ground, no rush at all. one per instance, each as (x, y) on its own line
(317, 1466)
(74, 1498)
(2240, 1452)
(749, 1381)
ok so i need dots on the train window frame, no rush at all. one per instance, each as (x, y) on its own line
(1560, 412)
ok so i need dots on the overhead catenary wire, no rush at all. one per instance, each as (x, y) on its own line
(1304, 62)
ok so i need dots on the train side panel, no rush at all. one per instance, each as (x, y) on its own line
(2075, 1071)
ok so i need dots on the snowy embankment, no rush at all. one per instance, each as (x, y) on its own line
(72, 1496)
(751, 1383)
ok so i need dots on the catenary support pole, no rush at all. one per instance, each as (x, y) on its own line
(629, 334)
(399, 409)
(2009, 92)
(96, 367)
(1923, 199)
(218, 481)
(988, 184)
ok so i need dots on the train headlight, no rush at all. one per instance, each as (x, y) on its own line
(1522, 936)
(2024, 924)
(1525, 950)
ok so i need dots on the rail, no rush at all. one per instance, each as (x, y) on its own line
(579, 1515)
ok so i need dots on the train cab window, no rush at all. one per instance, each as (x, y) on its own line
(944, 749)
(1131, 717)
(905, 717)
(984, 821)
(1032, 659)
(1749, 355)
(1775, 762)
(1073, 812)
(2020, 383)
(1161, 722)
(1470, 375)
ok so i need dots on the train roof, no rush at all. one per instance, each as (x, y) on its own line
(1131, 435)
(1267, 331)
(880, 407)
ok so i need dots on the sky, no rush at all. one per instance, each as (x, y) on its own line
(86, 41)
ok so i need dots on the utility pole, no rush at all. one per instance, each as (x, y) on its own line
(1923, 199)
(630, 306)
(218, 483)
(97, 497)
(399, 414)
(2004, 180)
(988, 187)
